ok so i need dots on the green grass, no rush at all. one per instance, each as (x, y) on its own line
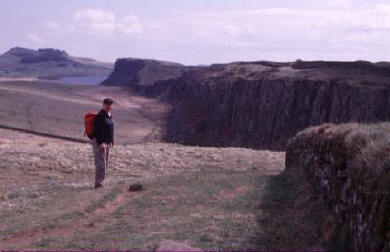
(202, 196)
(110, 195)
(191, 207)
(290, 215)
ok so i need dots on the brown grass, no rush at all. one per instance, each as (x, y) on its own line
(205, 197)
(59, 109)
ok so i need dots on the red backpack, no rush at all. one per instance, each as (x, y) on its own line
(88, 123)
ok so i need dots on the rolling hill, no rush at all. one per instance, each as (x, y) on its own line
(48, 63)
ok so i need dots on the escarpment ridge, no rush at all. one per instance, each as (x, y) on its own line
(259, 104)
(263, 104)
(137, 73)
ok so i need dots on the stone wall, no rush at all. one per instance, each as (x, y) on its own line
(349, 165)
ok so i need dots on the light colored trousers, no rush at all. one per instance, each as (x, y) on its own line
(101, 161)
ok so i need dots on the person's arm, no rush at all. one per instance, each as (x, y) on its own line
(98, 128)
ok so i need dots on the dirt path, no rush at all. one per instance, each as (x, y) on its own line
(27, 238)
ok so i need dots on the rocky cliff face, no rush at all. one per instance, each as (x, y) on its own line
(142, 73)
(258, 104)
(263, 104)
(348, 166)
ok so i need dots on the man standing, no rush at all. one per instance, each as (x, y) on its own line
(103, 140)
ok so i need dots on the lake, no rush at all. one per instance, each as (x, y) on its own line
(82, 80)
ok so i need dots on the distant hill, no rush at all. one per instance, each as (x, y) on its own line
(133, 72)
(49, 63)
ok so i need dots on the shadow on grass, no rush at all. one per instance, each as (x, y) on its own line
(290, 215)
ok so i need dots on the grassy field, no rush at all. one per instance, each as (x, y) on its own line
(206, 197)
(194, 197)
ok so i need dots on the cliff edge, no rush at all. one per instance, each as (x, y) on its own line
(263, 104)
(132, 72)
(258, 104)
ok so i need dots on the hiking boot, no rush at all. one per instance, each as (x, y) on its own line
(98, 185)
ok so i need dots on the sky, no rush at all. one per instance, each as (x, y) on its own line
(201, 31)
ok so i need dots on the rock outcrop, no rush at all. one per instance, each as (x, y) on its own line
(348, 165)
(263, 104)
(41, 55)
(49, 63)
(169, 245)
(139, 73)
(21, 52)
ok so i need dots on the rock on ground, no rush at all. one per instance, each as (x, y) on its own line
(169, 245)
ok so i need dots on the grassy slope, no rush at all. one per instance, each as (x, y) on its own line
(219, 198)
(208, 197)
(10, 66)
(59, 109)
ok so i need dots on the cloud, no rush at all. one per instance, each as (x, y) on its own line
(52, 25)
(106, 22)
(35, 38)
(283, 25)
(339, 2)
(336, 29)
(129, 24)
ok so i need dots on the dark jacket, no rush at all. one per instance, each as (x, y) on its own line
(103, 127)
